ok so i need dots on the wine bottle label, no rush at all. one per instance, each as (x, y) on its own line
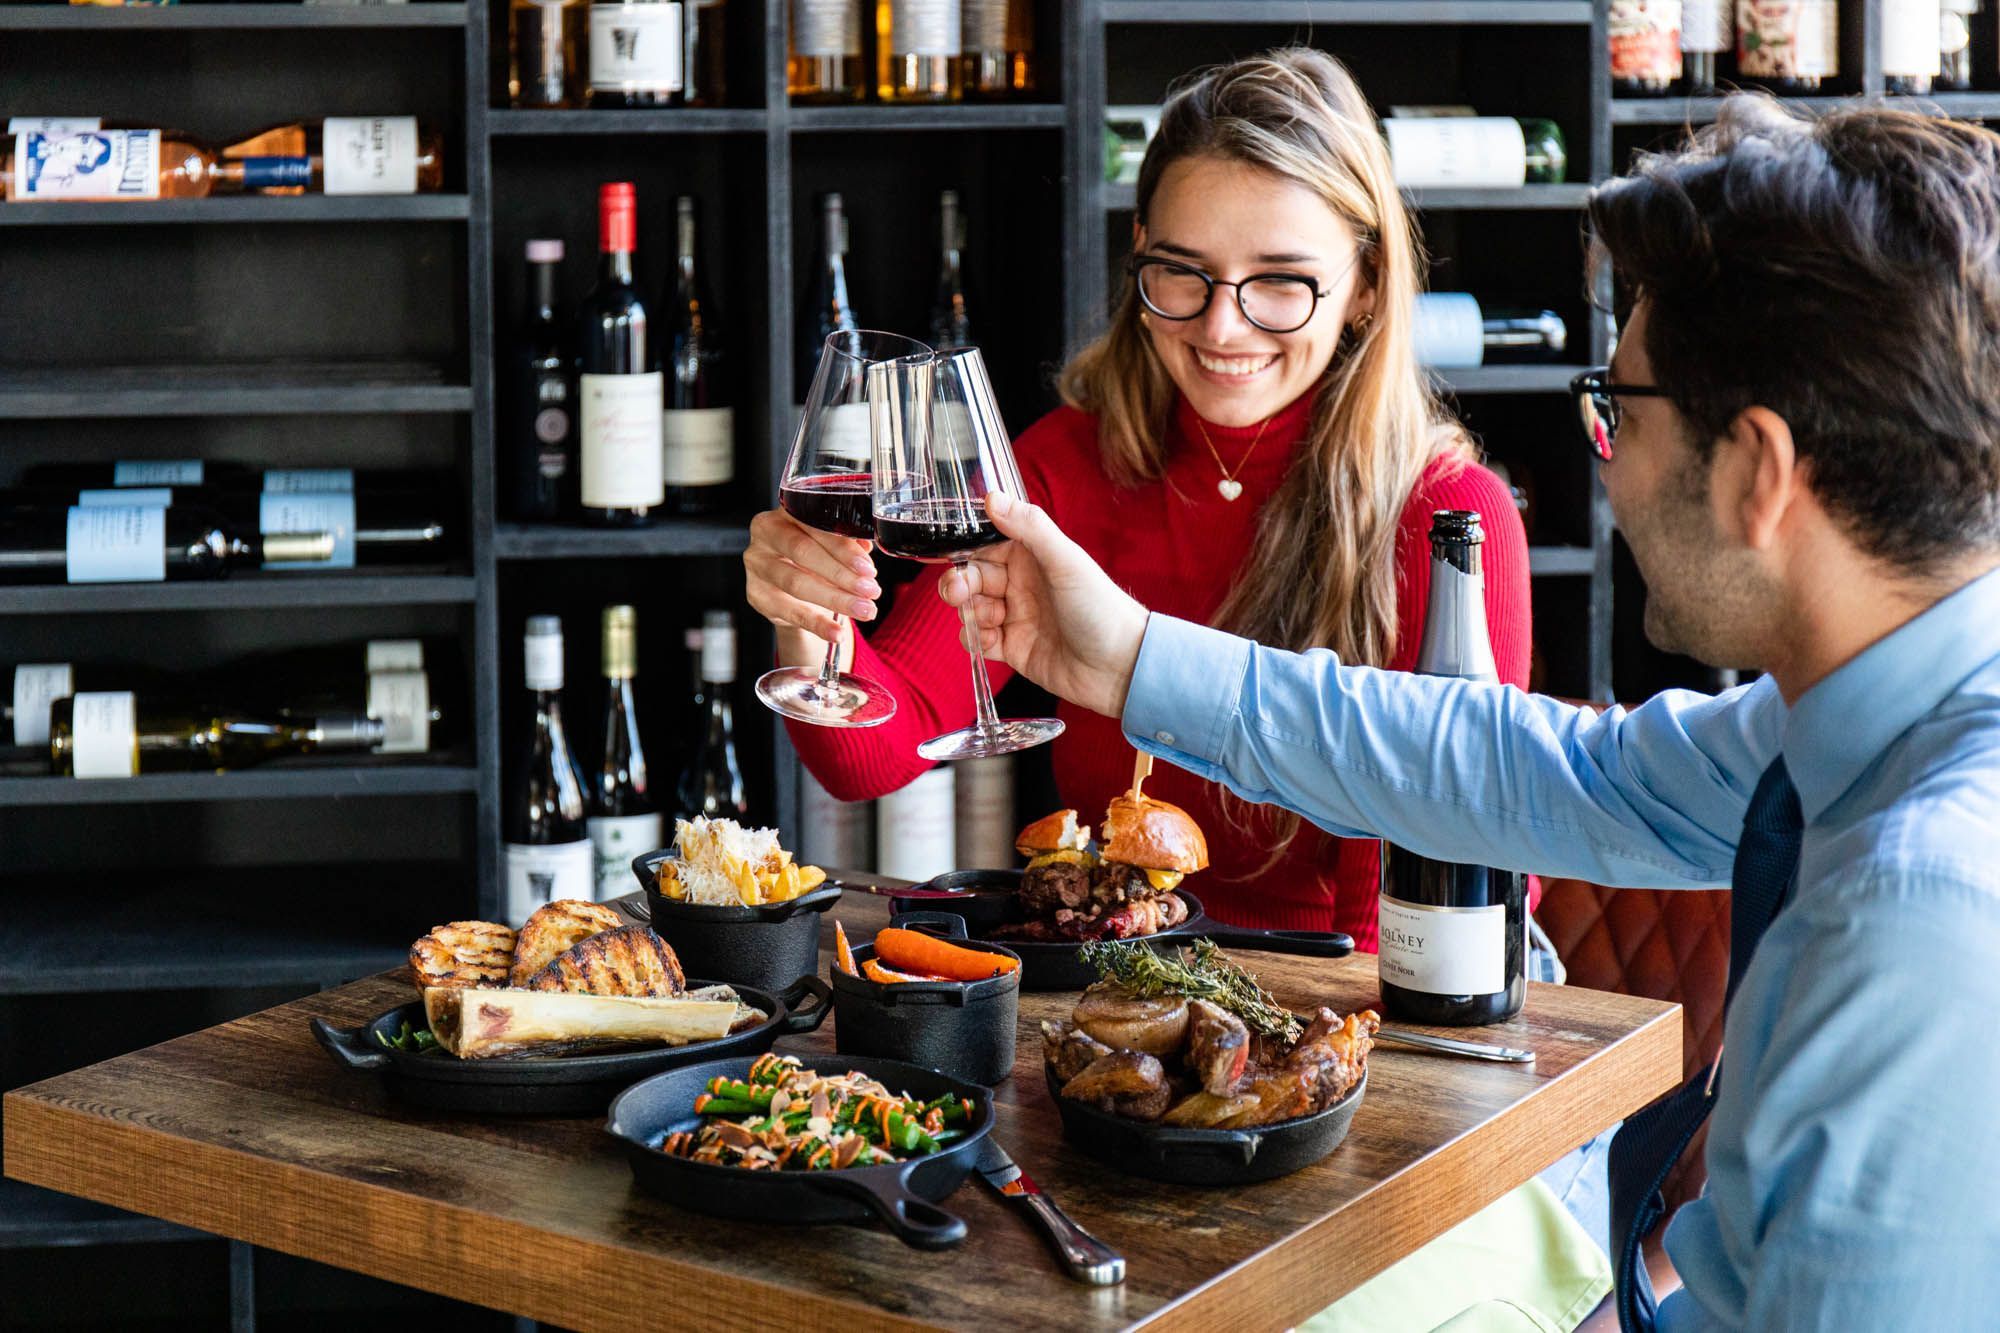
(915, 827)
(1444, 950)
(104, 735)
(635, 48)
(622, 417)
(985, 799)
(544, 662)
(718, 655)
(614, 841)
(540, 873)
(1449, 330)
(36, 686)
(171, 472)
(122, 544)
(331, 512)
(923, 28)
(52, 124)
(845, 435)
(401, 702)
(1707, 25)
(129, 495)
(267, 172)
(370, 154)
(552, 427)
(395, 655)
(1910, 33)
(985, 24)
(1785, 39)
(826, 28)
(835, 833)
(291, 481)
(698, 446)
(1457, 152)
(96, 164)
(1645, 39)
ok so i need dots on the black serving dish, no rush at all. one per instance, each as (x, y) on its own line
(989, 899)
(557, 1084)
(1205, 1156)
(962, 1028)
(904, 1195)
(767, 946)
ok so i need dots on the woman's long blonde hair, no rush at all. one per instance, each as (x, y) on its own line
(1322, 572)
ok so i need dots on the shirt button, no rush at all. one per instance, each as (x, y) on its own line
(1164, 737)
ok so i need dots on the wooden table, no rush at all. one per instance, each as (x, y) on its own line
(249, 1130)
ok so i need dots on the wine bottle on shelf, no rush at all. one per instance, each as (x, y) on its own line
(824, 56)
(623, 822)
(1708, 33)
(1645, 38)
(141, 544)
(706, 64)
(1955, 19)
(999, 48)
(983, 799)
(1453, 330)
(619, 390)
(832, 311)
(1912, 49)
(387, 679)
(1465, 152)
(698, 433)
(541, 420)
(950, 327)
(36, 686)
(548, 849)
(92, 165)
(836, 833)
(917, 50)
(916, 827)
(342, 155)
(109, 735)
(1789, 46)
(712, 784)
(636, 48)
(1454, 938)
(545, 49)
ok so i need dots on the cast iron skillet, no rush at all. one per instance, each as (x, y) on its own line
(1205, 1156)
(903, 1194)
(989, 900)
(765, 946)
(554, 1085)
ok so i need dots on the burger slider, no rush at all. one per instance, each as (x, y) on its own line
(1123, 889)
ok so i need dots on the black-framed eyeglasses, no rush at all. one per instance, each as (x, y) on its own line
(1597, 406)
(1274, 302)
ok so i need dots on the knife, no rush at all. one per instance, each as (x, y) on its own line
(1087, 1258)
(1513, 1055)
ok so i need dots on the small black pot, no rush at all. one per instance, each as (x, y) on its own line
(961, 1028)
(769, 947)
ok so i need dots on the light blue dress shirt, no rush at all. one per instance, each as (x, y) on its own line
(1854, 1150)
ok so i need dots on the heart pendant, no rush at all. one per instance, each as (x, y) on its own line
(1230, 488)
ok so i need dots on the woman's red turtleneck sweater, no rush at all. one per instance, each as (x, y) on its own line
(1176, 545)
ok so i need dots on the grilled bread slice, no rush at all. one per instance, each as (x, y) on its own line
(629, 961)
(556, 928)
(463, 953)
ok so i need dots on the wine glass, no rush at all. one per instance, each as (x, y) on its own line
(827, 485)
(941, 448)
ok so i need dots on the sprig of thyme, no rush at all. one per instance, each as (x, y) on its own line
(1200, 973)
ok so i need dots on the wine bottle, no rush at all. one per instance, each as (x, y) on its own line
(36, 686)
(387, 679)
(832, 312)
(983, 801)
(836, 833)
(541, 422)
(548, 850)
(342, 155)
(623, 821)
(545, 66)
(109, 735)
(1454, 938)
(916, 827)
(1912, 50)
(823, 54)
(1955, 44)
(1452, 330)
(1645, 37)
(950, 326)
(619, 390)
(140, 544)
(712, 784)
(1462, 152)
(635, 54)
(999, 48)
(707, 59)
(1708, 32)
(81, 165)
(1790, 46)
(917, 50)
(698, 433)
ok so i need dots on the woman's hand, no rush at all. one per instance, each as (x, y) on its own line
(799, 578)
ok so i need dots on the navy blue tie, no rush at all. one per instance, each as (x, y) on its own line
(1645, 1149)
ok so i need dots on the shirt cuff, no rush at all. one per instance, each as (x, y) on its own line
(1185, 689)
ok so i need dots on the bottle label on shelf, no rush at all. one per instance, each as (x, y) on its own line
(923, 28)
(1444, 950)
(170, 472)
(635, 48)
(614, 841)
(916, 826)
(540, 873)
(121, 544)
(395, 655)
(1785, 39)
(401, 702)
(268, 173)
(370, 154)
(96, 164)
(1457, 152)
(698, 446)
(52, 124)
(129, 495)
(1645, 37)
(1911, 33)
(1707, 25)
(292, 481)
(622, 416)
(985, 800)
(331, 512)
(826, 28)
(104, 735)
(845, 435)
(985, 23)
(1449, 330)
(543, 664)
(36, 686)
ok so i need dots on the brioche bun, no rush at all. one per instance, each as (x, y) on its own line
(1051, 833)
(1153, 835)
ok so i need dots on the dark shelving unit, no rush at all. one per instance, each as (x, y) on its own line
(214, 17)
(252, 208)
(523, 541)
(249, 592)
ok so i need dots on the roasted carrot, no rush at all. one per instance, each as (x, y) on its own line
(843, 951)
(914, 951)
(874, 971)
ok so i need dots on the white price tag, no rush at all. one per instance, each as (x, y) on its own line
(104, 735)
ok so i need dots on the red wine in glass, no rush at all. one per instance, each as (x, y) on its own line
(935, 531)
(837, 502)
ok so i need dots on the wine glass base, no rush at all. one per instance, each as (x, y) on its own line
(852, 701)
(1005, 737)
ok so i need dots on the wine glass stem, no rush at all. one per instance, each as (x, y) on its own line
(982, 688)
(829, 671)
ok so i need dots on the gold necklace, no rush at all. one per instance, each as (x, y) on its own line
(1229, 487)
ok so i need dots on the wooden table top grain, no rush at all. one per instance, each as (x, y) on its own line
(249, 1130)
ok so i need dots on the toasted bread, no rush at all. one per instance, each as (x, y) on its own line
(628, 961)
(554, 929)
(463, 953)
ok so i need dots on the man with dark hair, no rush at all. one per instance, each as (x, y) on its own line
(1807, 468)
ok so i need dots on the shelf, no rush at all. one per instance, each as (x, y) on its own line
(31, 1216)
(242, 209)
(194, 17)
(685, 120)
(1702, 110)
(248, 592)
(1020, 116)
(222, 389)
(1302, 12)
(672, 536)
(1507, 379)
(317, 781)
(1561, 560)
(1125, 198)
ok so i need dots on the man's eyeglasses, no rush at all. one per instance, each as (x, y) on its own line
(1274, 302)
(1597, 406)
